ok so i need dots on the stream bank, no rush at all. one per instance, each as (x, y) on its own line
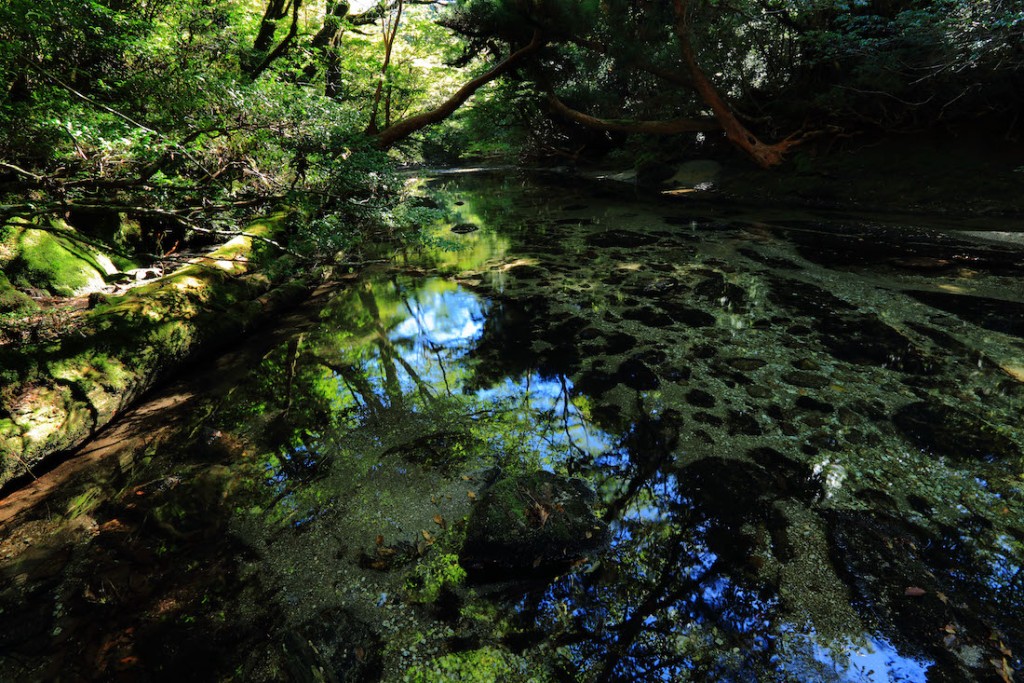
(60, 390)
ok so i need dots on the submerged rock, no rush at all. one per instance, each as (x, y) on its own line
(998, 315)
(685, 315)
(928, 594)
(700, 398)
(746, 364)
(715, 288)
(635, 374)
(535, 523)
(807, 380)
(942, 430)
(332, 646)
(628, 239)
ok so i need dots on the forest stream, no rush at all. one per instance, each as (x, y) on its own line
(733, 446)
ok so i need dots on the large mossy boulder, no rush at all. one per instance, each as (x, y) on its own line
(46, 259)
(538, 523)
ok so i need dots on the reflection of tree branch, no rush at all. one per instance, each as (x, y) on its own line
(657, 598)
(422, 386)
(389, 355)
(565, 417)
(293, 349)
(357, 380)
(353, 392)
(423, 332)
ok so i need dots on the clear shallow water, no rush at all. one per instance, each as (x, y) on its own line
(804, 437)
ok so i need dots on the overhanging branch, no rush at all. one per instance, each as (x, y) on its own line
(406, 127)
(669, 127)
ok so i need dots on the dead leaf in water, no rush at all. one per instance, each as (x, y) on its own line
(1003, 669)
(439, 520)
(471, 495)
(427, 536)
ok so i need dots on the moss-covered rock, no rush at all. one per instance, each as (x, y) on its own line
(537, 522)
(46, 259)
(11, 300)
(57, 394)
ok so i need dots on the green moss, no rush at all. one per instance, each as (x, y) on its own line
(51, 262)
(13, 301)
(79, 383)
(438, 570)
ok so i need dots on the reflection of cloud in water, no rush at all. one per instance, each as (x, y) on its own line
(873, 660)
(451, 320)
(434, 340)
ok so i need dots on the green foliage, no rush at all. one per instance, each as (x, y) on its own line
(11, 300)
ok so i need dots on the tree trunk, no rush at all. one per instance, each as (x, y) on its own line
(764, 155)
(275, 11)
(327, 40)
(406, 127)
(670, 127)
(390, 33)
(285, 43)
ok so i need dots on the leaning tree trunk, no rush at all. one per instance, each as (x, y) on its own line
(763, 154)
(405, 127)
(670, 127)
(267, 32)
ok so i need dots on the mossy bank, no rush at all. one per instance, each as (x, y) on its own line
(57, 393)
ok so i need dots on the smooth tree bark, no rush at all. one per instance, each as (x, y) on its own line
(763, 154)
(402, 129)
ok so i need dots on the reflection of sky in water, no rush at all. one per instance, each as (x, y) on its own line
(434, 343)
(441, 329)
(873, 660)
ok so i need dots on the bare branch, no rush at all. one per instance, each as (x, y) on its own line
(21, 171)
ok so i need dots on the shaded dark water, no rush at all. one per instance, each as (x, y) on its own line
(803, 435)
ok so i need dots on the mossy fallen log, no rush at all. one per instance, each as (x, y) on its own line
(55, 395)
